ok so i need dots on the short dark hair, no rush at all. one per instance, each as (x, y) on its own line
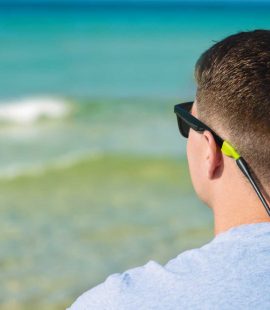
(233, 95)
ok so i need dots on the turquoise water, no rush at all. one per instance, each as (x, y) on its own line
(102, 185)
(112, 53)
(120, 61)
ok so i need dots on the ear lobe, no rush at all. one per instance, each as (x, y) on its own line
(213, 155)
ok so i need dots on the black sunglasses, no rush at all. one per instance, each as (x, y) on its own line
(186, 121)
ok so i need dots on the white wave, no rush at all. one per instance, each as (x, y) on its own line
(30, 110)
(18, 170)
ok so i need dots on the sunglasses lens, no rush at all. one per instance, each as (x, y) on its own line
(183, 127)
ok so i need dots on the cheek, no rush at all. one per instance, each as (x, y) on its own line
(191, 157)
(192, 150)
(194, 162)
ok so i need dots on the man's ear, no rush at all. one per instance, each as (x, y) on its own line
(213, 155)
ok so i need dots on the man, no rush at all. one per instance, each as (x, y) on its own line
(228, 153)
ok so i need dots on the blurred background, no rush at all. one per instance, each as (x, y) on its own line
(93, 172)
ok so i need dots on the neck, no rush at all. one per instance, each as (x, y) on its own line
(223, 224)
(238, 211)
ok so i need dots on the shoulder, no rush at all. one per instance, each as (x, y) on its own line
(147, 284)
(119, 288)
(183, 281)
(103, 296)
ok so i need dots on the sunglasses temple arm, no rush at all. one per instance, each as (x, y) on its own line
(244, 168)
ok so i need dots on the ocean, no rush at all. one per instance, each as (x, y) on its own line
(93, 171)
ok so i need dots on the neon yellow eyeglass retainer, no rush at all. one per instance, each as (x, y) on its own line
(229, 150)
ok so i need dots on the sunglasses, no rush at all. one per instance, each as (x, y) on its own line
(186, 121)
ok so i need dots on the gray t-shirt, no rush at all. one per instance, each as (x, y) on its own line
(230, 272)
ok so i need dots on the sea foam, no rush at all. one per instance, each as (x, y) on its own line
(30, 110)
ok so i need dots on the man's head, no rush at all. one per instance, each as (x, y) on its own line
(233, 98)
